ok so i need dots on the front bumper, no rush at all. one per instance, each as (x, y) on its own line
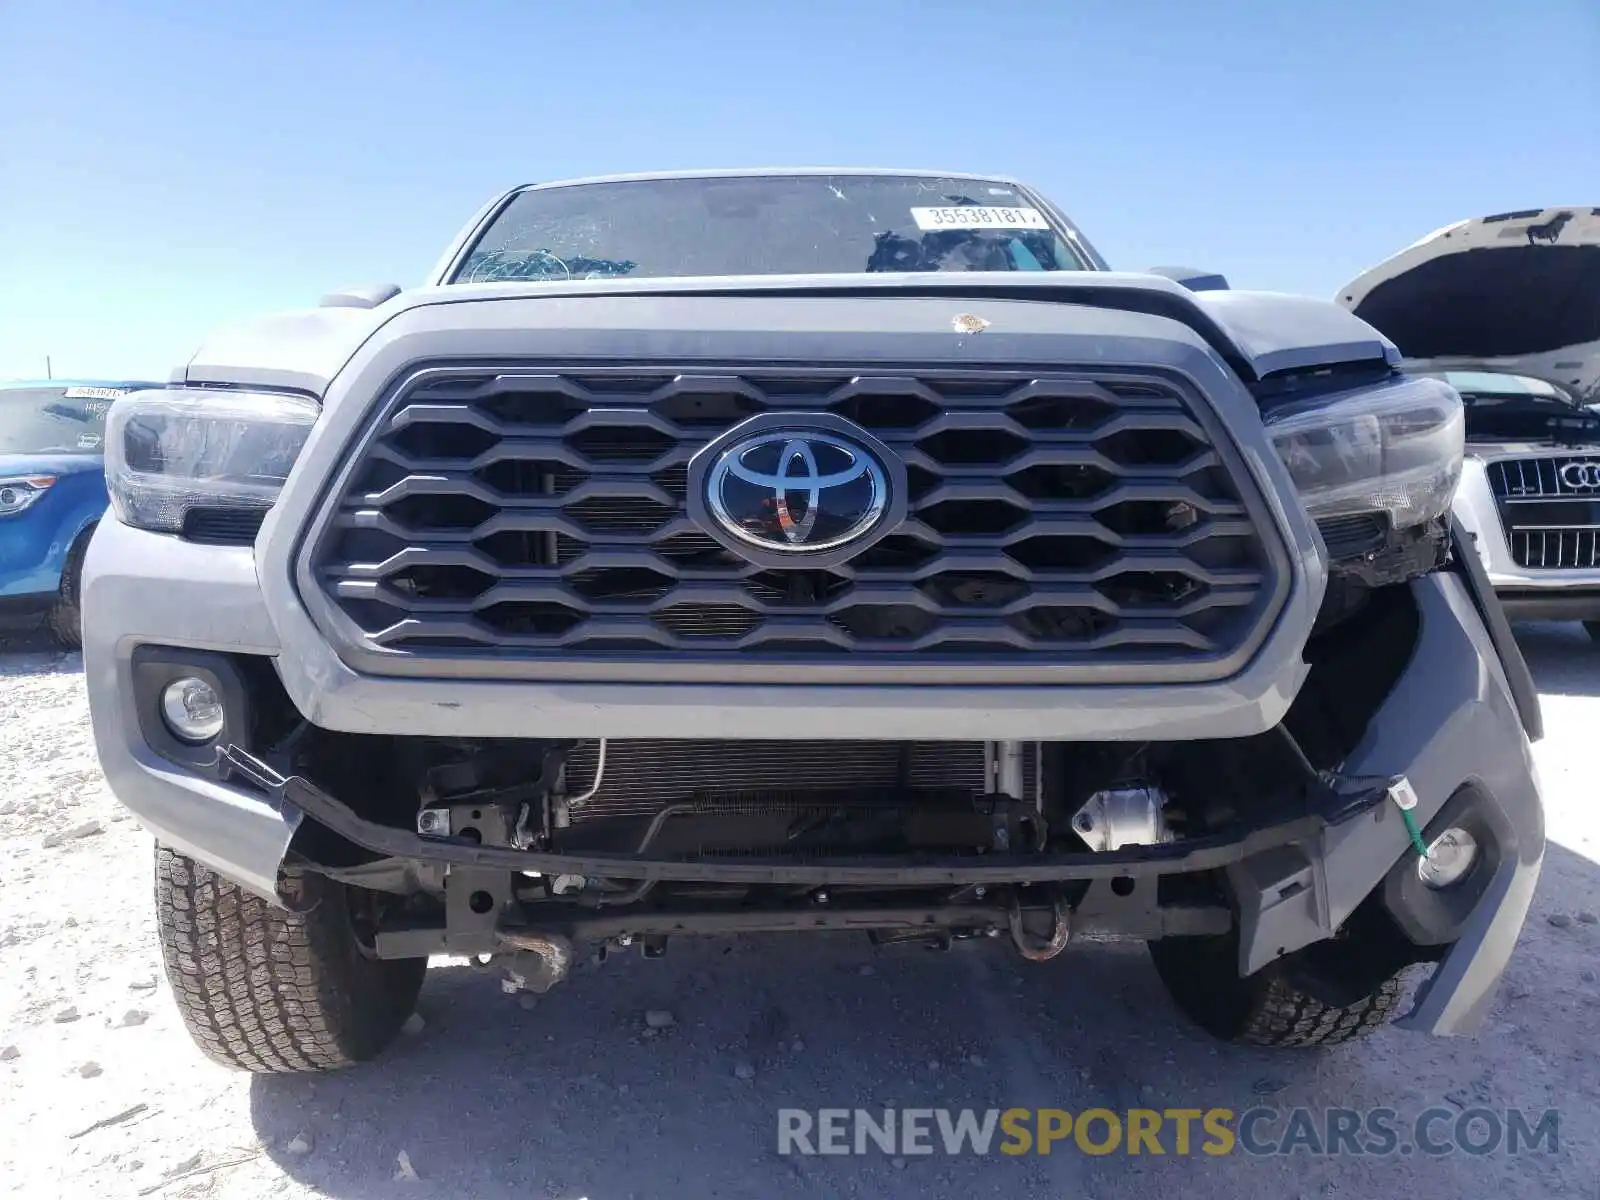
(1449, 721)
(295, 794)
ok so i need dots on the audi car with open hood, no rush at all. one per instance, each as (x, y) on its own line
(1506, 309)
(806, 550)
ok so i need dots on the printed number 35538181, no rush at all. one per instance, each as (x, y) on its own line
(972, 216)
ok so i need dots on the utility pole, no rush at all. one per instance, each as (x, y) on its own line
(47, 372)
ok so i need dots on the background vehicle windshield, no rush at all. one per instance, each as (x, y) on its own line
(767, 225)
(1495, 383)
(52, 420)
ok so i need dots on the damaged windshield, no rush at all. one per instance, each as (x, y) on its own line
(768, 225)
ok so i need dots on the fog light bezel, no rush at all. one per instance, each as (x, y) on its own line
(156, 668)
(1432, 916)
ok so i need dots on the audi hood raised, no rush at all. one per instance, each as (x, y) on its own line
(1506, 309)
(807, 550)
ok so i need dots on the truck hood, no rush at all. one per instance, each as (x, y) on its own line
(1257, 334)
(1516, 292)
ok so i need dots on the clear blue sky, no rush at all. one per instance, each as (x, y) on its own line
(168, 167)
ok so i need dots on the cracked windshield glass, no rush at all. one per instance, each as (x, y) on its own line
(769, 225)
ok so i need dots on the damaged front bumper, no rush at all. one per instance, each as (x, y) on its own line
(294, 796)
(894, 897)
(1449, 722)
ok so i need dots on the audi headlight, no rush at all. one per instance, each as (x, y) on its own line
(18, 492)
(173, 450)
(1395, 448)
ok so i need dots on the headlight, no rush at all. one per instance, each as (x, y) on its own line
(1395, 448)
(182, 448)
(17, 492)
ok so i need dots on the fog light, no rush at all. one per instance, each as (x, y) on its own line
(192, 709)
(1449, 858)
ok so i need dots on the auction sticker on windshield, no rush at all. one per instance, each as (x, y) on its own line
(973, 216)
(93, 393)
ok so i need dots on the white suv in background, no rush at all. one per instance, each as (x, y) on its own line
(1506, 308)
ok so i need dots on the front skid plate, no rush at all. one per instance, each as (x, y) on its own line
(1189, 856)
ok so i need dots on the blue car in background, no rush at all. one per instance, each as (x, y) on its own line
(52, 492)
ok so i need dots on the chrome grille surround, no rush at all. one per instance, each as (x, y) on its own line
(529, 519)
(1551, 522)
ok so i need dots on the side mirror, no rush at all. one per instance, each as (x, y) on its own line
(1193, 279)
(369, 296)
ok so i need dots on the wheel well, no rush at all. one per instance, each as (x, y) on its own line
(72, 567)
(79, 548)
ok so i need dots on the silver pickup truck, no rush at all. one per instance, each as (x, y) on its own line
(806, 551)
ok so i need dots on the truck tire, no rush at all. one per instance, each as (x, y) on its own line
(273, 991)
(1310, 998)
(65, 620)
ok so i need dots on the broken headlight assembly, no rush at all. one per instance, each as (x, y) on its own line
(175, 450)
(1393, 450)
(1376, 470)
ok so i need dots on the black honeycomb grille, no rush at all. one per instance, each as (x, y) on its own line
(1054, 519)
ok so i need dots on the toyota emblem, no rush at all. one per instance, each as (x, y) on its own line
(1581, 474)
(796, 489)
(779, 488)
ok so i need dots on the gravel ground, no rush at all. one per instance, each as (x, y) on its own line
(577, 1096)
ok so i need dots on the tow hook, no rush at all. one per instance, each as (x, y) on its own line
(1060, 931)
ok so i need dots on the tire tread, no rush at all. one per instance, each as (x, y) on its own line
(272, 991)
(1298, 1002)
(1287, 1016)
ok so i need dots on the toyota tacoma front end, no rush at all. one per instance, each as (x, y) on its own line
(806, 551)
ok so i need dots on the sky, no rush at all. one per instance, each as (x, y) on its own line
(168, 168)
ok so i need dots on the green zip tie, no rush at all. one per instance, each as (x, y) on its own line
(1416, 834)
(1405, 799)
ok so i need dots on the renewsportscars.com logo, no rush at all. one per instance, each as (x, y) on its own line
(1374, 1132)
